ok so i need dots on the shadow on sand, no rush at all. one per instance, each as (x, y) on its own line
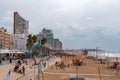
(75, 78)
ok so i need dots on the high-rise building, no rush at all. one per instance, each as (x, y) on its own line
(57, 44)
(50, 38)
(18, 41)
(40, 36)
(4, 38)
(20, 24)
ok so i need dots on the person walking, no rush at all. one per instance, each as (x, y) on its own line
(10, 60)
(0, 61)
(23, 68)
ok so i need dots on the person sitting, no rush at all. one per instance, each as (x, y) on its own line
(56, 63)
(114, 65)
(16, 68)
(20, 71)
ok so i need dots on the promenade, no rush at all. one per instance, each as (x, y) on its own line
(30, 71)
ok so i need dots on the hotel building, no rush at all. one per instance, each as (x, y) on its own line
(20, 25)
(4, 38)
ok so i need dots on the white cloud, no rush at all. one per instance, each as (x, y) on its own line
(7, 21)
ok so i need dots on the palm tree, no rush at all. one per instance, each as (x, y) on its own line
(35, 51)
(43, 41)
(29, 42)
(34, 38)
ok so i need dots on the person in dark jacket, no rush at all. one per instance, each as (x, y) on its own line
(23, 68)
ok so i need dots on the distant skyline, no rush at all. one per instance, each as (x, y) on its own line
(77, 23)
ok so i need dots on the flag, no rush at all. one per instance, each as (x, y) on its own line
(8, 75)
(36, 44)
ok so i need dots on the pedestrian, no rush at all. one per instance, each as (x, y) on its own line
(10, 60)
(23, 68)
(19, 62)
(0, 61)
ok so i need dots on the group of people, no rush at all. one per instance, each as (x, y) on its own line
(10, 61)
(18, 68)
(60, 65)
(114, 65)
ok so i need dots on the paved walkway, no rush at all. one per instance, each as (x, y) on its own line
(34, 71)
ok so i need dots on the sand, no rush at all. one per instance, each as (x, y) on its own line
(88, 70)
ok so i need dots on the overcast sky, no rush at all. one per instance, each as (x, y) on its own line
(77, 23)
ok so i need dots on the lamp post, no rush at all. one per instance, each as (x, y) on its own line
(97, 52)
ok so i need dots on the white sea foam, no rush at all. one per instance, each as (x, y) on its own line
(107, 54)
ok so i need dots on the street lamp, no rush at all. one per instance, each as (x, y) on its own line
(97, 52)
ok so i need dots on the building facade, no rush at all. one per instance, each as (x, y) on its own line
(40, 36)
(50, 38)
(4, 38)
(57, 44)
(20, 24)
(18, 41)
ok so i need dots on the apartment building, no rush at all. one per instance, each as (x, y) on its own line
(4, 38)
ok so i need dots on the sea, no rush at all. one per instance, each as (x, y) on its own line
(104, 53)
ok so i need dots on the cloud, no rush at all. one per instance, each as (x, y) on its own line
(87, 23)
(6, 21)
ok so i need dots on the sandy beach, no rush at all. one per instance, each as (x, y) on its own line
(88, 70)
